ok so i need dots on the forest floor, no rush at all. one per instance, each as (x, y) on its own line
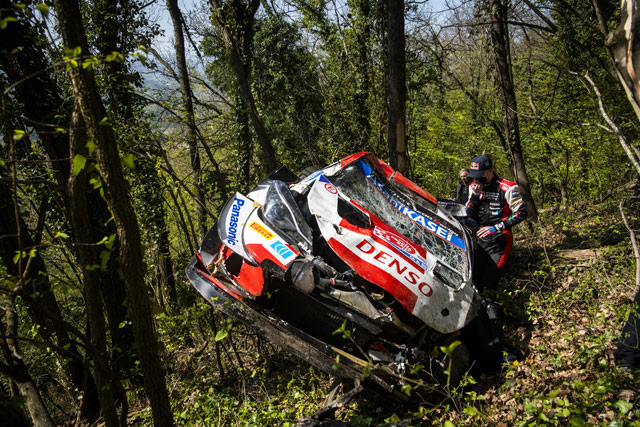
(564, 299)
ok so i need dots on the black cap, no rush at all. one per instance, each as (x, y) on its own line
(479, 165)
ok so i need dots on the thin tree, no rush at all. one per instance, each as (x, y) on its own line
(187, 103)
(85, 92)
(396, 129)
(499, 31)
(221, 20)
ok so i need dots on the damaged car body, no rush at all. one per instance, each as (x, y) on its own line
(353, 247)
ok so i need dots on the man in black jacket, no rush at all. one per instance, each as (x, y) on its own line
(494, 207)
(462, 190)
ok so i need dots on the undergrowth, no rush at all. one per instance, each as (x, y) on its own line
(563, 299)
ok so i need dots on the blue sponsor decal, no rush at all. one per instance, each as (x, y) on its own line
(414, 216)
(232, 230)
(312, 177)
(282, 249)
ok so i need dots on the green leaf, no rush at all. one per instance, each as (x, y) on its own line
(129, 161)
(91, 147)
(72, 53)
(624, 406)
(44, 9)
(448, 350)
(406, 389)
(104, 122)
(79, 161)
(89, 63)
(156, 309)
(33, 252)
(577, 422)
(115, 56)
(471, 410)
(342, 330)
(96, 182)
(19, 254)
(104, 259)
(109, 243)
(4, 22)
(18, 134)
(336, 365)
(449, 424)
(224, 332)
(61, 235)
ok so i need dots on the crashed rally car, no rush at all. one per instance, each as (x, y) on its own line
(353, 247)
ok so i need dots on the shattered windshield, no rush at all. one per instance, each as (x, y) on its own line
(406, 214)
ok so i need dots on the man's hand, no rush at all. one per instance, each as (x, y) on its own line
(476, 187)
(490, 230)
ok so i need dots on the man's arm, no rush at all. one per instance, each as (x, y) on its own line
(516, 205)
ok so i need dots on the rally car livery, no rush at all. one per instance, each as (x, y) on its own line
(354, 245)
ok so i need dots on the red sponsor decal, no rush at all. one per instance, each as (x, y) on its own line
(330, 188)
(395, 239)
(375, 272)
(394, 265)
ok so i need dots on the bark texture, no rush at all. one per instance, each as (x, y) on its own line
(85, 92)
(502, 54)
(396, 129)
(242, 73)
(187, 103)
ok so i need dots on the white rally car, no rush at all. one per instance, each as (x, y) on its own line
(354, 248)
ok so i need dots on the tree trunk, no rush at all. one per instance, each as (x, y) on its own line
(396, 130)
(623, 47)
(243, 172)
(40, 301)
(502, 54)
(362, 27)
(87, 257)
(85, 91)
(243, 74)
(16, 369)
(187, 103)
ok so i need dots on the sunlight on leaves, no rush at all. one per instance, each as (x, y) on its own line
(224, 332)
(18, 134)
(79, 162)
(129, 161)
(5, 21)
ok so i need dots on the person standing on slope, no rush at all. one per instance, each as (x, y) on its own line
(494, 207)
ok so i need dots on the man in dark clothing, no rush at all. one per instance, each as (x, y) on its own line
(462, 190)
(627, 354)
(494, 207)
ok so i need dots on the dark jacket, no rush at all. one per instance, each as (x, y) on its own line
(462, 193)
(499, 201)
